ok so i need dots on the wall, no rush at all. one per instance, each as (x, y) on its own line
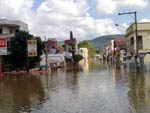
(144, 31)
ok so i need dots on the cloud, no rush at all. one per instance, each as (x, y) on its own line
(12, 9)
(106, 6)
(145, 20)
(55, 18)
(112, 6)
(136, 3)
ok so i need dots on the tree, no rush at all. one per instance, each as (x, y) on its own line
(18, 50)
(89, 46)
(77, 58)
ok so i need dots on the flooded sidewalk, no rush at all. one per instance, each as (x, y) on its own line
(90, 87)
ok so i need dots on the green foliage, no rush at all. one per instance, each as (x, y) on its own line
(89, 46)
(18, 50)
(77, 57)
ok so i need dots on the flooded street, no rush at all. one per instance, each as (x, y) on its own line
(87, 88)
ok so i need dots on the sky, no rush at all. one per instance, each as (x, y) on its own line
(87, 19)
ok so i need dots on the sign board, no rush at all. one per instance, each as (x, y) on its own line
(3, 46)
(32, 48)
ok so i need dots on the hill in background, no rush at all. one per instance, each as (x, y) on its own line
(102, 41)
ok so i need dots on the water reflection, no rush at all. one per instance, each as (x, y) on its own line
(88, 87)
(139, 91)
(84, 65)
(119, 75)
(21, 94)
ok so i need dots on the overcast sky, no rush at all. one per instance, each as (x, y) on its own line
(86, 18)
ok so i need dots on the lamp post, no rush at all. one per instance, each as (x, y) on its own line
(136, 36)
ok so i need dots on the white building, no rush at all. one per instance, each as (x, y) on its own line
(8, 29)
(143, 30)
(84, 53)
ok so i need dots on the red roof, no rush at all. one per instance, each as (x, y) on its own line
(52, 43)
(70, 41)
(121, 41)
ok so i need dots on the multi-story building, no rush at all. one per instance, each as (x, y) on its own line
(143, 39)
(71, 44)
(142, 46)
(8, 29)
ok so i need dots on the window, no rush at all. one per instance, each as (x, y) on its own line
(8, 46)
(11, 30)
(140, 42)
(1, 30)
(132, 41)
(17, 30)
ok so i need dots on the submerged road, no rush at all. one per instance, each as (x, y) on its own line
(87, 88)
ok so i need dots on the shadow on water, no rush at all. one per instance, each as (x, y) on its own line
(21, 94)
(139, 91)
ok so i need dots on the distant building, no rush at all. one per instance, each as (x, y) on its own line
(8, 29)
(70, 44)
(84, 53)
(121, 43)
(53, 47)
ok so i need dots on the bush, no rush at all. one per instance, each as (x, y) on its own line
(77, 57)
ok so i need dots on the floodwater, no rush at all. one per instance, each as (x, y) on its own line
(86, 88)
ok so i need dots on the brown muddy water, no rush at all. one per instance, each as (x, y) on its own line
(86, 88)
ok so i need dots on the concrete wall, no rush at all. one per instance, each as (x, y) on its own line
(8, 25)
(144, 31)
(84, 53)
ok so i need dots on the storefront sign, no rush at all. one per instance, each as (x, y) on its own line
(32, 48)
(3, 46)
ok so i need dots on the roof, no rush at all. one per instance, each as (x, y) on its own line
(14, 23)
(120, 41)
(70, 41)
(11, 23)
(51, 43)
(59, 48)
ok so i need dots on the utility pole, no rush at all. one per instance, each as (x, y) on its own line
(136, 36)
(46, 52)
(27, 57)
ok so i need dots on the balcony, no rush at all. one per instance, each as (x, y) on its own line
(7, 35)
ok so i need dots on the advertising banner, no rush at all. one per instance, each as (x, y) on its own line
(32, 48)
(3, 46)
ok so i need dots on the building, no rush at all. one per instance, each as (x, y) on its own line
(143, 31)
(70, 44)
(143, 41)
(120, 43)
(53, 47)
(8, 29)
(84, 53)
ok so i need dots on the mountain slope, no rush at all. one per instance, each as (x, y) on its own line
(102, 41)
